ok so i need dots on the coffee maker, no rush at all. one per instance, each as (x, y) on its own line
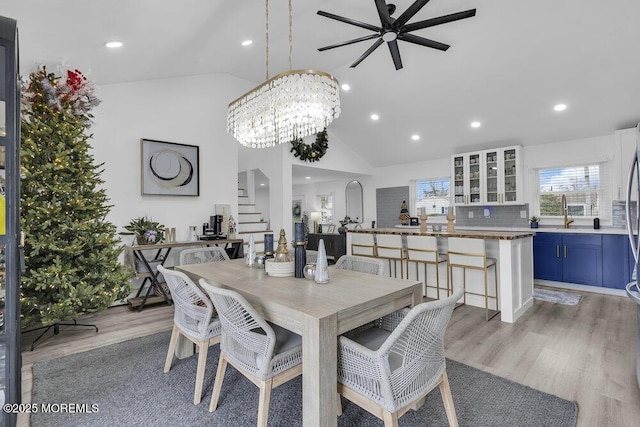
(216, 224)
(213, 229)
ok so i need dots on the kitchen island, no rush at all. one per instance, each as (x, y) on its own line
(513, 251)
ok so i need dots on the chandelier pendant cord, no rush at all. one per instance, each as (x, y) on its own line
(266, 34)
(267, 37)
(290, 35)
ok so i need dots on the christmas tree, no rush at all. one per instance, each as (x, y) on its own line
(71, 251)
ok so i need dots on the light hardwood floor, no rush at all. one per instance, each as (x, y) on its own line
(584, 353)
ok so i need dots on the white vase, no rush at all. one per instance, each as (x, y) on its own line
(322, 265)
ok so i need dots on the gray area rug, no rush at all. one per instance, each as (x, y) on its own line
(567, 298)
(126, 381)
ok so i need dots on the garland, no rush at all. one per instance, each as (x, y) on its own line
(313, 152)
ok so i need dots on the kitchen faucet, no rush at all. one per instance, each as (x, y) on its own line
(565, 212)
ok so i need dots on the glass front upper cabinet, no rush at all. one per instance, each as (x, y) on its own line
(467, 179)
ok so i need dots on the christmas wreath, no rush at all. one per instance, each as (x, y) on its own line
(313, 152)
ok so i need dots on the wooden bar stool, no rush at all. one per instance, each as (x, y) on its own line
(468, 253)
(424, 250)
(362, 244)
(389, 247)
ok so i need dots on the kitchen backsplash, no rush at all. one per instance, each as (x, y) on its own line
(619, 214)
(499, 216)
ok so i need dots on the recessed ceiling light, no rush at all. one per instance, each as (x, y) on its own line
(560, 107)
(415, 137)
(345, 87)
(307, 177)
(374, 117)
(475, 124)
(114, 44)
(262, 184)
(247, 43)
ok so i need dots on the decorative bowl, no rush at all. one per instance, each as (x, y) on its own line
(310, 271)
(279, 269)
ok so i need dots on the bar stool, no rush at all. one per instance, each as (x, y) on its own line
(424, 250)
(362, 244)
(471, 253)
(389, 247)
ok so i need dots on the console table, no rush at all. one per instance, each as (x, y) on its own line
(334, 244)
(161, 253)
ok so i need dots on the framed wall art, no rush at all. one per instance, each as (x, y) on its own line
(169, 169)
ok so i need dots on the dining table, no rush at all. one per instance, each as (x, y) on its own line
(317, 312)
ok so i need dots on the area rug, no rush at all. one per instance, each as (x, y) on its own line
(567, 298)
(123, 385)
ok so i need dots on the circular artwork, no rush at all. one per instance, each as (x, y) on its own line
(170, 169)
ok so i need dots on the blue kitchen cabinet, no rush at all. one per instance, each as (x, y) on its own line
(582, 259)
(572, 258)
(616, 262)
(547, 261)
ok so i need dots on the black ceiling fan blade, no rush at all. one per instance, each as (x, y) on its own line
(367, 53)
(408, 14)
(383, 13)
(422, 41)
(438, 21)
(395, 54)
(349, 21)
(348, 42)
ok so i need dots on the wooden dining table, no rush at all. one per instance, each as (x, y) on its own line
(317, 312)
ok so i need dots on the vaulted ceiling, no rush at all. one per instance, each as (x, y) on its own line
(506, 68)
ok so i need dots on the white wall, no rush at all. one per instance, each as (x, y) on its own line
(277, 162)
(186, 110)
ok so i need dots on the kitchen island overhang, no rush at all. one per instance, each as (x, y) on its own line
(513, 251)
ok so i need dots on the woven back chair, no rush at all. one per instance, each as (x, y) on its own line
(194, 319)
(389, 368)
(265, 353)
(361, 264)
(200, 255)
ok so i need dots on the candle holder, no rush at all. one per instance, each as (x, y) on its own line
(268, 245)
(300, 250)
(450, 219)
(423, 222)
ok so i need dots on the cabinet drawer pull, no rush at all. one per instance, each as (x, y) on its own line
(565, 251)
(557, 251)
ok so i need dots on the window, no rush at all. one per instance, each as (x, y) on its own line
(326, 208)
(433, 195)
(581, 185)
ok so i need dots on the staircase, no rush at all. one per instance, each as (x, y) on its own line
(249, 223)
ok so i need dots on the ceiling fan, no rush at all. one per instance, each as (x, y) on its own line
(394, 29)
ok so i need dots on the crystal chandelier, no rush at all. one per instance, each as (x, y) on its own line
(288, 106)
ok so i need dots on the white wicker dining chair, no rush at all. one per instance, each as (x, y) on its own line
(361, 264)
(194, 318)
(200, 255)
(389, 368)
(266, 354)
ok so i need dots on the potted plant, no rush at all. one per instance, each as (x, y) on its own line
(533, 221)
(147, 231)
